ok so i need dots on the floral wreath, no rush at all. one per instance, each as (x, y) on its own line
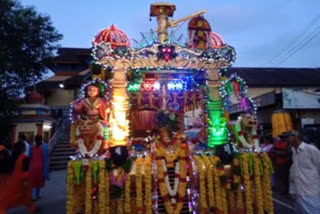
(243, 140)
(98, 142)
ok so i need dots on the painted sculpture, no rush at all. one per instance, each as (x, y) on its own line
(246, 132)
(90, 114)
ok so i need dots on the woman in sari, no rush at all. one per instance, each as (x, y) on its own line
(39, 171)
(18, 192)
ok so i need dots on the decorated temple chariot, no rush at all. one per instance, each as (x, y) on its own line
(153, 131)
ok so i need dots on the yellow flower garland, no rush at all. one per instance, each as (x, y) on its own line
(219, 206)
(182, 184)
(139, 200)
(107, 192)
(224, 200)
(88, 203)
(258, 188)
(247, 184)
(267, 184)
(148, 184)
(239, 202)
(127, 192)
(102, 187)
(70, 190)
(202, 183)
(209, 181)
(232, 202)
(120, 205)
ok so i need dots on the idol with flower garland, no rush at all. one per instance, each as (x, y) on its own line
(171, 151)
(90, 116)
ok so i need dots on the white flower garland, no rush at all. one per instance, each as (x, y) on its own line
(97, 144)
(172, 192)
(243, 140)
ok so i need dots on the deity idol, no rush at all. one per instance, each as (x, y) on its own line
(89, 130)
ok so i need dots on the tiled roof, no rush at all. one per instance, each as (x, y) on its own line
(278, 77)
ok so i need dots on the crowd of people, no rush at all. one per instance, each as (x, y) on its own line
(23, 172)
(297, 170)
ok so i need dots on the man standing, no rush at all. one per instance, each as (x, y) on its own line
(23, 139)
(281, 154)
(304, 174)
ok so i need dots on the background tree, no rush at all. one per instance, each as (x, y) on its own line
(28, 40)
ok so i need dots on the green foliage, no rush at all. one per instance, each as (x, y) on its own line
(27, 43)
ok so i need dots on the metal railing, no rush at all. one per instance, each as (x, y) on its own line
(59, 134)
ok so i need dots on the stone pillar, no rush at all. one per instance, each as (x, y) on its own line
(13, 131)
(120, 108)
(217, 131)
(39, 129)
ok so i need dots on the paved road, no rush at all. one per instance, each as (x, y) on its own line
(53, 198)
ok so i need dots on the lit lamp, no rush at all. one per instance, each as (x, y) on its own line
(47, 127)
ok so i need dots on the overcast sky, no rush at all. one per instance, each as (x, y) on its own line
(260, 30)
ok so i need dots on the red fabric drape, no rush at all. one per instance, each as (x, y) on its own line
(143, 120)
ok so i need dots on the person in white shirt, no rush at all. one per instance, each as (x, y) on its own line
(304, 174)
(23, 139)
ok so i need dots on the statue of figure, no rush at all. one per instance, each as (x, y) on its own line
(246, 132)
(89, 130)
(169, 140)
(93, 106)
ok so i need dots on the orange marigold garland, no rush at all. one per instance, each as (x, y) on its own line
(148, 184)
(210, 178)
(120, 205)
(217, 185)
(258, 188)
(139, 197)
(267, 183)
(107, 192)
(247, 184)
(202, 183)
(237, 181)
(231, 202)
(127, 192)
